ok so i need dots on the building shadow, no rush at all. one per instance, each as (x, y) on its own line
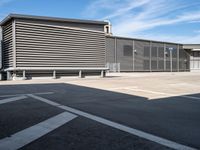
(175, 118)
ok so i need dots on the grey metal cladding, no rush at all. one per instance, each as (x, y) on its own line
(141, 58)
(55, 46)
(7, 45)
(96, 27)
(154, 58)
(161, 54)
(126, 62)
(146, 65)
(128, 50)
(184, 60)
(149, 56)
(110, 50)
(157, 56)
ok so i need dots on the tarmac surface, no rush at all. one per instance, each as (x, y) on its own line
(122, 111)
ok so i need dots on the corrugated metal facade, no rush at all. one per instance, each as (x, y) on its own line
(124, 54)
(7, 44)
(42, 45)
(110, 50)
(184, 60)
(143, 55)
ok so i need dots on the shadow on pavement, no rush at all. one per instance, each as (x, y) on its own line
(174, 118)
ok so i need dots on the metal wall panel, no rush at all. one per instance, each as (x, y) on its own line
(147, 55)
(7, 45)
(161, 53)
(184, 60)
(157, 56)
(174, 57)
(42, 45)
(95, 27)
(146, 65)
(125, 47)
(142, 56)
(110, 50)
(154, 58)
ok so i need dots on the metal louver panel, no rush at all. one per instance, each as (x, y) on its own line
(184, 60)
(157, 57)
(125, 54)
(44, 45)
(7, 45)
(142, 56)
(110, 50)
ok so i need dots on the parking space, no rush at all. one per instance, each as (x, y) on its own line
(128, 112)
(83, 133)
(18, 115)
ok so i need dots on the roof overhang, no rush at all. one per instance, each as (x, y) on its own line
(55, 19)
(192, 47)
(195, 49)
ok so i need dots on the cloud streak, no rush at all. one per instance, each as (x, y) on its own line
(131, 17)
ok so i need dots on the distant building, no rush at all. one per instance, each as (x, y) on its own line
(194, 53)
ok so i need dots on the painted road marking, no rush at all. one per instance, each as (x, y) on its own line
(161, 93)
(44, 93)
(7, 100)
(30, 134)
(121, 127)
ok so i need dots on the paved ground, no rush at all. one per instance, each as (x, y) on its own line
(121, 111)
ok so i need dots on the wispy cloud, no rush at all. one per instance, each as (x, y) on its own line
(125, 9)
(184, 39)
(140, 24)
(130, 17)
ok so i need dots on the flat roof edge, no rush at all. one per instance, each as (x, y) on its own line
(191, 44)
(56, 19)
(130, 38)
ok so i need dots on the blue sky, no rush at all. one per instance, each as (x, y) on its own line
(167, 20)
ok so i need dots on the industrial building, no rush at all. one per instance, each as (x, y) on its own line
(36, 46)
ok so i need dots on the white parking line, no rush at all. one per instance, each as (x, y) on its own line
(44, 93)
(28, 135)
(161, 93)
(121, 127)
(7, 100)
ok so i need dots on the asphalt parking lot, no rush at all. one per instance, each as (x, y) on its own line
(122, 111)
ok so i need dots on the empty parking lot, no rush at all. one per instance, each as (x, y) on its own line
(121, 111)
